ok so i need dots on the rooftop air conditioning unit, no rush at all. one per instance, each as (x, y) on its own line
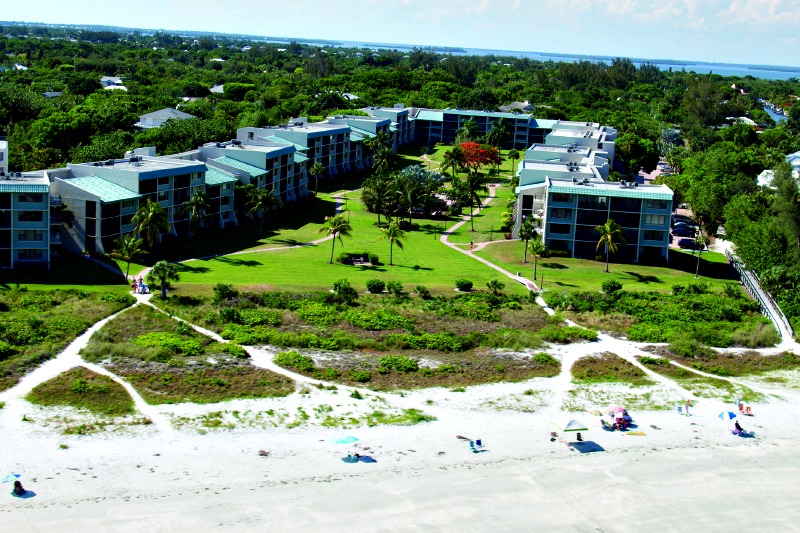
(623, 183)
(219, 145)
(636, 185)
(133, 160)
(574, 179)
(586, 181)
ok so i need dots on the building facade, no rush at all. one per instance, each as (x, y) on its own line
(25, 221)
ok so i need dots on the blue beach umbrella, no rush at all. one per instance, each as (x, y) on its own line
(727, 415)
(11, 477)
(345, 440)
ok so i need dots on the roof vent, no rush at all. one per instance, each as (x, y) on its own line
(110, 163)
(574, 179)
(219, 145)
(623, 183)
(636, 185)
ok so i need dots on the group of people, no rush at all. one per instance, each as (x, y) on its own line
(620, 421)
(139, 286)
(19, 490)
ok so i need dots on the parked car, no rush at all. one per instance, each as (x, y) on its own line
(689, 225)
(689, 244)
(683, 232)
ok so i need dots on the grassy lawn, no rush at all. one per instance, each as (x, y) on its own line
(487, 221)
(68, 272)
(587, 275)
(82, 388)
(422, 261)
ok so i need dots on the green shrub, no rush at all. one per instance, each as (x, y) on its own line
(395, 288)
(654, 361)
(295, 360)
(678, 289)
(375, 286)
(360, 376)
(732, 290)
(235, 350)
(373, 258)
(463, 285)
(544, 359)
(170, 342)
(344, 292)
(39, 302)
(343, 258)
(224, 292)
(378, 320)
(447, 369)
(611, 286)
(357, 395)
(399, 363)
(6, 350)
(690, 348)
(495, 285)
(260, 317)
(567, 334)
(230, 315)
(318, 314)
(423, 292)
(513, 305)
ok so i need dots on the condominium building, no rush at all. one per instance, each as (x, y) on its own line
(589, 134)
(24, 220)
(3, 156)
(400, 125)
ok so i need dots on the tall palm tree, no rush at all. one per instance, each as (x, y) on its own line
(536, 248)
(476, 183)
(198, 207)
(610, 235)
(382, 160)
(162, 273)
(526, 233)
(129, 249)
(315, 172)
(336, 226)
(377, 195)
(467, 132)
(395, 236)
(513, 155)
(497, 134)
(151, 220)
(261, 202)
(701, 242)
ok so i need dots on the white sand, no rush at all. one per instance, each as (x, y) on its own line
(178, 474)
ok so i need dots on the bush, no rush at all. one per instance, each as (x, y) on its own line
(654, 361)
(170, 342)
(295, 360)
(343, 258)
(678, 289)
(344, 292)
(395, 288)
(399, 363)
(375, 286)
(611, 286)
(360, 376)
(690, 349)
(235, 350)
(463, 285)
(556, 253)
(544, 359)
(567, 334)
(317, 314)
(732, 290)
(229, 315)
(6, 350)
(423, 292)
(495, 286)
(224, 292)
(260, 317)
(377, 320)
(373, 258)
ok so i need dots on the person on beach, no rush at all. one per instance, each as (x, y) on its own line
(19, 490)
(470, 245)
(688, 405)
(737, 428)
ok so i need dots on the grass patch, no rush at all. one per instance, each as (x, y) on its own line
(608, 368)
(37, 325)
(730, 364)
(408, 417)
(168, 362)
(82, 388)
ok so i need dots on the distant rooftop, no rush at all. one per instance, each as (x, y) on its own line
(104, 189)
(24, 182)
(235, 163)
(167, 113)
(146, 167)
(610, 189)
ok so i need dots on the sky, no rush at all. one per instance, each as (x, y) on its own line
(761, 32)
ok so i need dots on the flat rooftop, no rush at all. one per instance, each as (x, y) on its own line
(552, 166)
(24, 182)
(559, 148)
(144, 165)
(609, 188)
(266, 146)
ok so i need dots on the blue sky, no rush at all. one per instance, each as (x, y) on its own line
(732, 31)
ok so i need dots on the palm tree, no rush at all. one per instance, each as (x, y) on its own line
(536, 248)
(526, 233)
(378, 195)
(336, 226)
(395, 236)
(129, 249)
(382, 160)
(467, 132)
(498, 132)
(198, 207)
(261, 202)
(476, 183)
(162, 273)
(610, 235)
(151, 220)
(513, 155)
(701, 242)
(315, 172)
(453, 159)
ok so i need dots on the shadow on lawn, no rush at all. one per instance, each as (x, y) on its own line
(643, 278)
(184, 267)
(239, 262)
(553, 266)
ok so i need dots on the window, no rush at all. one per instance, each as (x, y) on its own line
(561, 229)
(31, 197)
(31, 216)
(656, 204)
(163, 196)
(250, 135)
(651, 235)
(163, 181)
(125, 220)
(560, 212)
(127, 204)
(226, 186)
(655, 220)
(30, 255)
(225, 200)
(30, 235)
(593, 202)
(562, 198)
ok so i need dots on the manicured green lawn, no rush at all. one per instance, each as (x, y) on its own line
(423, 261)
(487, 221)
(68, 272)
(587, 275)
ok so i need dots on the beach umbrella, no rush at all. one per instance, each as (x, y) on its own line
(727, 415)
(11, 477)
(570, 425)
(345, 440)
(617, 409)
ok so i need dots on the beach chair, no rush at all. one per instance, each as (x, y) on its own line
(478, 443)
(680, 409)
(748, 411)
(741, 408)
(606, 425)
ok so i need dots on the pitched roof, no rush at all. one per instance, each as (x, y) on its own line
(218, 177)
(103, 189)
(235, 163)
(167, 113)
(299, 158)
(15, 186)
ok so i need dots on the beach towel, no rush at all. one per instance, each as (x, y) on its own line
(635, 433)
(350, 459)
(367, 459)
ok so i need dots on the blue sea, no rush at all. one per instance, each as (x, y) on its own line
(767, 72)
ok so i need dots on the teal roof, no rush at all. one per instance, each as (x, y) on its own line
(281, 140)
(393, 127)
(433, 116)
(363, 133)
(217, 177)
(11, 186)
(493, 114)
(615, 192)
(299, 158)
(355, 137)
(235, 163)
(105, 190)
